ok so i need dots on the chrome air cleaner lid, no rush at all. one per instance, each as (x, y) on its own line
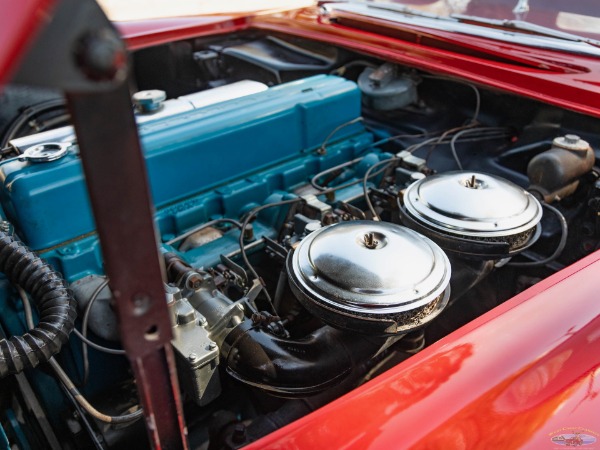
(474, 205)
(370, 276)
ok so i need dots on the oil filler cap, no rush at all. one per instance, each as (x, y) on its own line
(46, 152)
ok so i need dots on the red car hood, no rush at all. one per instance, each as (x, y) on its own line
(18, 30)
(522, 374)
(519, 375)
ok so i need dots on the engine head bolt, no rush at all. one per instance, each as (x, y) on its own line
(249, 232)
(192, 357)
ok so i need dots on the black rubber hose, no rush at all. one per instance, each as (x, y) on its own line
(293, 410)
(231, 433)
(296, 367)
(55, 304)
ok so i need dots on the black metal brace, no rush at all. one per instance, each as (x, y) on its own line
(81, 53)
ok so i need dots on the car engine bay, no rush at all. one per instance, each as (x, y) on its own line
(323, 215)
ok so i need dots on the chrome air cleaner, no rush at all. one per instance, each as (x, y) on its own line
(370, 277)
(473, 213)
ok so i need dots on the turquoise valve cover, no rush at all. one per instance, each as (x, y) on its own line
(186, 155)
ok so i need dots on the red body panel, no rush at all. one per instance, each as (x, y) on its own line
(512, 378)
(141, 34)
(18, 26)
(567, 80)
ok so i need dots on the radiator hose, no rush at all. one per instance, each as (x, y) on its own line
(55, 304)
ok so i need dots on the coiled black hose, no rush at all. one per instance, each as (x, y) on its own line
(55, 304)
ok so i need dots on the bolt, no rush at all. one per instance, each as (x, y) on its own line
(141, 303)
(101, 56)
(194, 281)
(328, 218)
(370, 241)
(192, 357)
(212, 345)
(249, 232)
(472, 183)
(571, 139)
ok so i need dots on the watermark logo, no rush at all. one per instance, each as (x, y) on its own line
(575, 437)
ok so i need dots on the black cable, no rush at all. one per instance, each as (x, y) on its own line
(414, 147)
(83, 335)
(483, 132)
(340, 71)
(564, 229)
(87, 424)
(245, 223)
(475, 137)
(399, 136)
(464, 83)
(364, 180)
(352, 183)
(323, 147)
(442, 138)
(314, 180)
(100, 348)
(27, 115)
(53, 122)
(203, 226)
(66, 381)
(410, 149)
(493, 132)
(68, 384)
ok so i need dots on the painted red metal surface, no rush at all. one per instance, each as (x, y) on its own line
(19, 23)
(513, 378)
(146, 33)
(566, 80)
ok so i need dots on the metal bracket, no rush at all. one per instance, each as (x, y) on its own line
(81, 53)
